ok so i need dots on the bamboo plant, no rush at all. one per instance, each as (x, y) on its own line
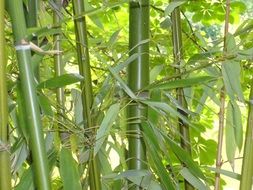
(23, 50)
(86, 86)
(138, 78)
(178, 57)
(5, 171)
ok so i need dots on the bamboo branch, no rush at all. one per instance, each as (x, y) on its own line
(222, 106)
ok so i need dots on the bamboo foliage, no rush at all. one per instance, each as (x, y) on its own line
(5, 171)
(36, 141)
(119, 104)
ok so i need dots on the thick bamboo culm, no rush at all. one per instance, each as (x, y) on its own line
(138, 78)
(5, 171)
(36, 140)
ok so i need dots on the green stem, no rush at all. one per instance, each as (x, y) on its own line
(5, 171)
(59, 68)
(86, 85)
(36, 140)
(178, 57)
(31, 15)
(138, 78)
(247, 165)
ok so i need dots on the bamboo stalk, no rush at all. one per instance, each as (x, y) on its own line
(5, 171)
(247, 165)
(59, 68)
(138, 78)
(178, 57)
(36, 140)
(222, 106)
(86, 85)
(31, 15)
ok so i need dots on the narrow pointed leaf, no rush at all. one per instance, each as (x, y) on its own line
(104, 128)
(61, 81)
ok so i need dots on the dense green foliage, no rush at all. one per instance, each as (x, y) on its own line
(87, 76)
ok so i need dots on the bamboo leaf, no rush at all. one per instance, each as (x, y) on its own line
(237, 124)
(174, 4)
(226, 173)
(26, 181)
(104, 128)
(61, 81)
(113, 38)
(194, 181)
(185, 158)
(231, 76)
(68, 171)
(122, 83)
(45, 105)
(229, 134)
(182, 83)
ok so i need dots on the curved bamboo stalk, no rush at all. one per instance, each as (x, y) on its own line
(86, 85)
(138, 78)
(178, 57)
(36, 140)
(5, 171)
(247, 165)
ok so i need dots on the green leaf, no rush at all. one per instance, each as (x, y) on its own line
(231, 76)
(226, 173)
(61, 81)
(174, 4)
(26, 181)
(113, 38)
(230, 136)
(122, 83)
(104, 128)
(194, 181)
(182, 83)
(185, 158)
(237, 125)
(68, 171)
(45, 105)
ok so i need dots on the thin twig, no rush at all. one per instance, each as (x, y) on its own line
(222, 107)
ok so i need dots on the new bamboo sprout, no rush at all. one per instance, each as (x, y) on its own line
(138, 78)
(36, 141)
(86, 85)
(5, 171)
(178, 57)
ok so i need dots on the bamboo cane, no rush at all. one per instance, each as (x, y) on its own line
(86, 85)
(178, 57)
(36, 140)
(5, 171)
(138, 78)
